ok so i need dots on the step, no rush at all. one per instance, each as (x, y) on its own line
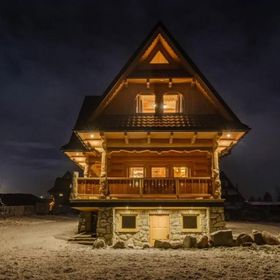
(82, 239)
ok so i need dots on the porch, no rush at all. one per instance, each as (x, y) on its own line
(143, 188)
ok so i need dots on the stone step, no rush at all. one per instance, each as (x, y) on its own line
(85, 242)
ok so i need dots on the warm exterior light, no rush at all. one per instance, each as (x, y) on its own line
(77, 154)
(92, 136)
(228, 135)
(61, 194)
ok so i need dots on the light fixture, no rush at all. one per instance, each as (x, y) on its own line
(92, 136)
(164, 106)
(148, 83)
(77, 154)
(170, 83)
(228, 135)
(155, 105)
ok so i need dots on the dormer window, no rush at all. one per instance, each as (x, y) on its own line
(146, 103)
(172, 103)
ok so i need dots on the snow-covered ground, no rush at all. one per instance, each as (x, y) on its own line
(36, 248)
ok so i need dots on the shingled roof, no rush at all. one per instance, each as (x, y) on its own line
(160, 122)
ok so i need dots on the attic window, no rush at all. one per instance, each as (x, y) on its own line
(159, 58)
(146, 103)
(172, 103)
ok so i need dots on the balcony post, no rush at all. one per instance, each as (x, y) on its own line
(103, 190)
(74, 192)
(86, 170)
(216, 171)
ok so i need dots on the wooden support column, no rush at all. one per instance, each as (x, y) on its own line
(216, 170)
(74, 192)
(86, 170)
(103, 190)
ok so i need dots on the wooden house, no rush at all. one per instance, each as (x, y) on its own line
(149, 148)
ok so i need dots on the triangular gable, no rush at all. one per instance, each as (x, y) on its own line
(159, 58)
(160, 35)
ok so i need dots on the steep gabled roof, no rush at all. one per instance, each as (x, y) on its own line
(189, 66)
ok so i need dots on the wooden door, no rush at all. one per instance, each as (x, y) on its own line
(159, 228)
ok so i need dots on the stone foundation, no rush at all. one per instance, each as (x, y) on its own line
(105, 225)
(109, 223)
(217, 218)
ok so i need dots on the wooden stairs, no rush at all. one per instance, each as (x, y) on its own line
(83, 239)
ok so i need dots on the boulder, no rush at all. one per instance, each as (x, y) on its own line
(202, 242)
(99, 243)
(176, 244)
(247, 244)
(243, 238)
(269, 238)
(189, 242)
(119, 245)
(146, 246)
(129, 244)
(222, 238)
(162, 244)
(257, 236)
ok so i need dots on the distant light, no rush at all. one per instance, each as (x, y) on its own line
(92, 136)
(41, 197)
(228, 135)
(61, 194)
(77, 154)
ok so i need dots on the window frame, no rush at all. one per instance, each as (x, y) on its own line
(134, 166)
(166, 171)
(198, 223)
(179, 110)
(139, 106)
(180, 166)
(120, 224)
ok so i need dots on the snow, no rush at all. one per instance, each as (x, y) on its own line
(36, 248)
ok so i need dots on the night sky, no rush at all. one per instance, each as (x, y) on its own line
(53, 53)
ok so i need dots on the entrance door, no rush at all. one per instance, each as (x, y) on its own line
(159, 228)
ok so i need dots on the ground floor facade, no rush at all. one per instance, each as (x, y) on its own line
(137, 226)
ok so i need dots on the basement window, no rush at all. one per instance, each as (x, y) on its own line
(190, 222)
(128, 222)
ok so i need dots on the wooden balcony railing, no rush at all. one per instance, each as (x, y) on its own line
(123, 187)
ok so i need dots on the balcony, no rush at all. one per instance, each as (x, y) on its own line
(144, 188)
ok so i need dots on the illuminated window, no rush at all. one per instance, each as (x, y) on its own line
(172, 103)
(190, 222)
(158, 172)
(146, 103)
(159, 58)
(180, 171)
(136, 172)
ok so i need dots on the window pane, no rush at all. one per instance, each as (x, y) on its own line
(171, 103)
(128, 221)
(146, 103)
(180, 171)
(136, 172)
(190, 222)
(158, 172)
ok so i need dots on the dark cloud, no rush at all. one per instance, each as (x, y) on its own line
(53, 53)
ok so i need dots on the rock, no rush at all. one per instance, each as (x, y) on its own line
(202, 242)
(189, 242)
(247, 244)
(162, 244)
(222, 237)
(146, 246)
(243, 238)
(99, 243)
(176, 244)
(269, 238)
(119, 245)
(130, 244)
(257, 236)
